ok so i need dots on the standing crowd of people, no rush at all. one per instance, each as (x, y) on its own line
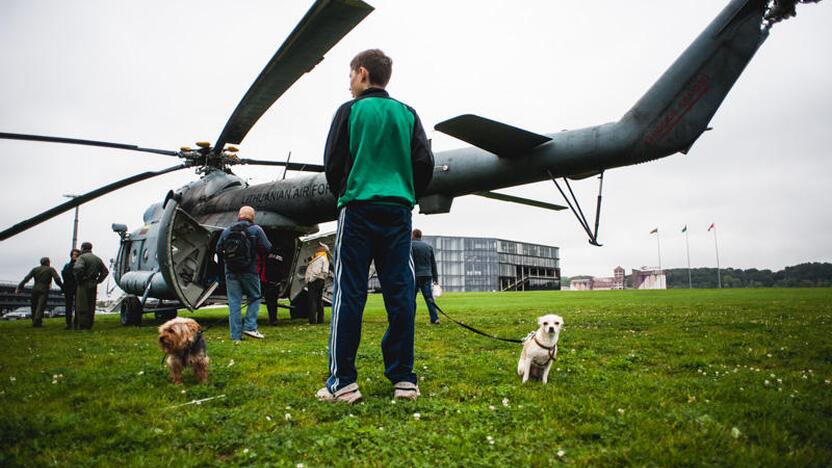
(378, 163)
(81, 277)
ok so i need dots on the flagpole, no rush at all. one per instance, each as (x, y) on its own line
(659, 246)
(687, 246)
(716, 249)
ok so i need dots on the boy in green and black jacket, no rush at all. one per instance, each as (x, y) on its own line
(378, 163)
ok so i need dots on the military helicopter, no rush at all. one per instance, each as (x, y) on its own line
(170, 258)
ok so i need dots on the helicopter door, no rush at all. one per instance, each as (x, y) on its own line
(184, 253)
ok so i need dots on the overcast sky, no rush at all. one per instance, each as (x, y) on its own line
(165, 74)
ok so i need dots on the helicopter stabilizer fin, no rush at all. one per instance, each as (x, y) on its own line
(503, 140)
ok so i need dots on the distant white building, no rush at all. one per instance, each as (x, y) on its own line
(649, 278)
(645, 278)
(604, 283)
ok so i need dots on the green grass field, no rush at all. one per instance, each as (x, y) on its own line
(709, 377)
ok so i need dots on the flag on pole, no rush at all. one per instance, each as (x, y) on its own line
(713, 225)
(685, 229)
(654, 231)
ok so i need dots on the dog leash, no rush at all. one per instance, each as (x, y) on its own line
(468, 327)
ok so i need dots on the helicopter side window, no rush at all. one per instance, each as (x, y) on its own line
(145, 255)
(134, 255)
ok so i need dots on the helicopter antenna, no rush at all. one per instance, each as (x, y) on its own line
(286, 168)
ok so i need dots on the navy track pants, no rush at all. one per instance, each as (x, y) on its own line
(381, 233)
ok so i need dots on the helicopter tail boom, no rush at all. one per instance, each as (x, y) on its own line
(676, 110)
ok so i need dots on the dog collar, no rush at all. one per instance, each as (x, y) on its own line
(551, 349)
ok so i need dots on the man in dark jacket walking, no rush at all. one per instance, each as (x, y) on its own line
(43, 275)
(424, 264)
(89, 272)
(70, 287)
(237, 247)
(378, 163)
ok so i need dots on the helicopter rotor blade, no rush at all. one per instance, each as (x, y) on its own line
(292, 166)
(76, 141)
(81, 199)
(326, 22)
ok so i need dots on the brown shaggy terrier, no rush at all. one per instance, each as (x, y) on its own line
(181, 340)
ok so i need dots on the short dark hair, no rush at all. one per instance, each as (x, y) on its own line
(44, 261)
(75, 251)
(379, 66)
(86, 246)
(417, 233)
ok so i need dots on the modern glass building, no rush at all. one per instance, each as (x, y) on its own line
(487, 264)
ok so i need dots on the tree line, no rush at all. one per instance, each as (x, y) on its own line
(803, 275)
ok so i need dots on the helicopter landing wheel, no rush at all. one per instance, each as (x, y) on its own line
(131, 311)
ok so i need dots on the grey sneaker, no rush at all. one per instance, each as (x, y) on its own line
(349, 394)
(405, 391)
(254, 334)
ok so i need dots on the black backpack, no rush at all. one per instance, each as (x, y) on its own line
(237, 251)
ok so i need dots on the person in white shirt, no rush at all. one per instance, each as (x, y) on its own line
(316, 273)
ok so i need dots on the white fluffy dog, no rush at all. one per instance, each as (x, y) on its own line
(540, 348)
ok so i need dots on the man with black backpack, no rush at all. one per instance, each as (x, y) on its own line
(237, 247)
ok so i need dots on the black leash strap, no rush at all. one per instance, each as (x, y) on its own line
(468, 327)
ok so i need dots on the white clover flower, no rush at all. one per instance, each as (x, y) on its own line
(490, 440)
(299, 465)
(766, 382)
(12, 379)
(230, 363)
(268, 418)
(621, 411)
(287, 416)
(141, 372)
(735, 433)
(417, 416)
(491, 407)
(392, 402)
(245, 450)
(505, 402)
(561, 453)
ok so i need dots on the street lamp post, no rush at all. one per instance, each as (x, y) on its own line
(75, 224)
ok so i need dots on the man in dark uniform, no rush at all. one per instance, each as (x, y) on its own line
(424, 265)
(70, 286)
(378, 162)
(89, 271)
(43, 275)
(268, 267)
